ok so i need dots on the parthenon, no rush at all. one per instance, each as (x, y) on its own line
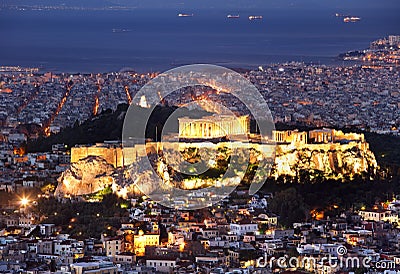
(216, 126)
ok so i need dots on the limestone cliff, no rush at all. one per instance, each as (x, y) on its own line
(333, 160)
(86, 176)
(93, 174)
(329, 160)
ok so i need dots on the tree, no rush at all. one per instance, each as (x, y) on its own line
(263, 228)
(289, 205)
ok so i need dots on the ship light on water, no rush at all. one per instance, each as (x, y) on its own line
(255, 17)
(185, 14)
(351, 19)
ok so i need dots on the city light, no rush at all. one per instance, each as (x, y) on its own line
(24, 201)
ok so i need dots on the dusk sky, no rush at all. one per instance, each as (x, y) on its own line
(240, 4)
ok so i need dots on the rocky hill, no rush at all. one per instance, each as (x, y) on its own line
(87, 176)
(334, 161)
(306, 162)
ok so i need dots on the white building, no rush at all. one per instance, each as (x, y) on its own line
(94, 268)
(379, 215)
(161, 264)
(243, 227)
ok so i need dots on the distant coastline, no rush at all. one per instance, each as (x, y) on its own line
(308, 60)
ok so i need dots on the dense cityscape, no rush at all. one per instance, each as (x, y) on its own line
(337, 96)
(74, 209)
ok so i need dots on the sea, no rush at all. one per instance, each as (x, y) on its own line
(148, 40)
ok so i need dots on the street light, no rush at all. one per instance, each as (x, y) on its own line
(24, 201)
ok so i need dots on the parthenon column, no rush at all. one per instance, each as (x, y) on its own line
(198, 130)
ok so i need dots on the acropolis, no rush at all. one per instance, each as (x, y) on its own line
(216, 126)
(328, 152)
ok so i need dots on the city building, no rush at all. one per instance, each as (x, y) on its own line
(145, 239)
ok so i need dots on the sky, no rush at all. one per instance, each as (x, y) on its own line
(217, 4)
